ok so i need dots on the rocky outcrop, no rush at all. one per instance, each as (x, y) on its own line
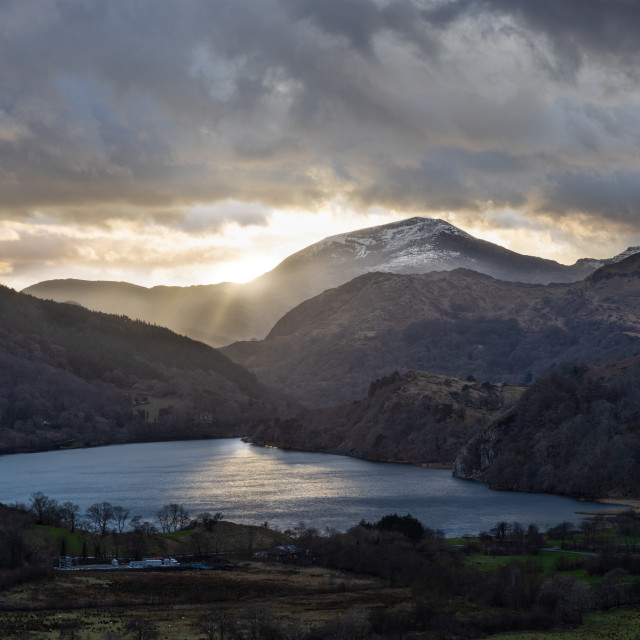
(416, 417)
(475, 458)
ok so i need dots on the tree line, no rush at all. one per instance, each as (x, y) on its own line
(103, 518)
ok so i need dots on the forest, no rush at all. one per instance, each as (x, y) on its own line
(72, 377)
(575, 431)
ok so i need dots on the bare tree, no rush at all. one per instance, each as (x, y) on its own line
(215, 625)
(100, 515)
(205, 518)
(182, 518)
(260, 621)
(172, 516)
(120, 515)
(251, 535)
(164, 518)
(208, 520)
(500, 530)
(565, 596)
(69, 513)
(174, 511)
(45, 508)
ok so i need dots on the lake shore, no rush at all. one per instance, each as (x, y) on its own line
(632, 503)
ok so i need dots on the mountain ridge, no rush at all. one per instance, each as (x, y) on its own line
(455, 323)
(228, 312)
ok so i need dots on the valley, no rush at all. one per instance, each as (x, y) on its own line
(319, 320)
(524, 386)
(405, 366)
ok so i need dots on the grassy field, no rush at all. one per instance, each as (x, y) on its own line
(156, 403)
(617, 624)
(55, 535)
(546, 559)
(98, 602)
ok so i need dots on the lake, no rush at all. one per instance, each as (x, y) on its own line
(252, 485)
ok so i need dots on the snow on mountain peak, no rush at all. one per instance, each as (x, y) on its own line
(627, 252)
(392, 237)
(596, 263)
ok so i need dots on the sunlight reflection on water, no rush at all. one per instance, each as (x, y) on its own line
(252, 485)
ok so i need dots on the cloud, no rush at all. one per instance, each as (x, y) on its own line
(148, 112)
(615, 196)
(577, 30)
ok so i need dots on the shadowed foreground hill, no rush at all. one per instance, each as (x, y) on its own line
(69, 375)
(328, 349)
(416, 417)
(576, 432)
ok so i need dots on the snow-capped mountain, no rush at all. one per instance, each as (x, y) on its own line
(419, 245)
(223, 313)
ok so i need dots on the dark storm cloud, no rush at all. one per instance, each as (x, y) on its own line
(111, 108)
(615, 196)
(576, 28)
(358, 21)
(445, 177)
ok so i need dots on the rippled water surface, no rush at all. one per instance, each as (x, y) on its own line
(252, 485)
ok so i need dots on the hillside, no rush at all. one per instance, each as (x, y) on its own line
(576, 432)
(223, 313)
(459, 323)
(416, 417)
(71, 376)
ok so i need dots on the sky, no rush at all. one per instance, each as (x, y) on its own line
(194, 141)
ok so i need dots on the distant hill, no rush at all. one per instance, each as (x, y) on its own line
(415, 417)
(71, 376)
(227, 312)
(458, 323)
(575, 431)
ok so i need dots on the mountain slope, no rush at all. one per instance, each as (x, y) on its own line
(329, 348)
(576, 431)
(416, 417)
(419, 245)
(224, 313)
(69, 374)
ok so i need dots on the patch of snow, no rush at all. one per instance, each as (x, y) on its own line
(423, 231)
(595, 263)
(625, 254)
(396, 238)
(591, 263)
